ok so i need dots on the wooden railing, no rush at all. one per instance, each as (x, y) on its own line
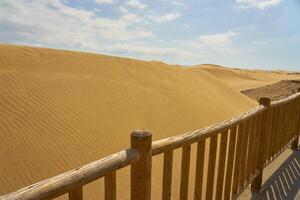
(243, 145)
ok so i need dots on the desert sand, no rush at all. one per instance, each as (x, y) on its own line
(242, 79)
(62, 109)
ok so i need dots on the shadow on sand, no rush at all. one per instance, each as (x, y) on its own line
(284, 184)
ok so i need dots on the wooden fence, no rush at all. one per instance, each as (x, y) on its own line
(247, 144)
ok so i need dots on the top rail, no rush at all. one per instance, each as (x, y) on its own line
(63, 183)
(285, 100)
(178, 141)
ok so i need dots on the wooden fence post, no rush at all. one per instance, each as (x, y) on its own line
(141, 170)
(76, 194)
(257, 182)
(110, 186)
(294, 144)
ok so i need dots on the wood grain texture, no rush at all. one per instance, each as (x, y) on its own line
(76, 194)
(294, 144)
(141, 169)
(237, 161)
(110, 191)
(285, 100)
(256, 145)
(272, 133)
(185, 172)
(280, 129)
(244, 154)
(269, 136)
(211, 167)
(63, 183)
(221, 165)
(178, 141)
(251, 147)
(283, 127)
(167, 175)
(257, 182)
(199, 170)
(230, 163)
(191, 137)
(278, 126)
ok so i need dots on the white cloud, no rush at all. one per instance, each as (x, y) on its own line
(259, 4)
(97, 10)
(148, 50)
(218, 43)
(131, 17)
(220, 39)
(53, 23)
(165, 18)
(123, 9)
(104, 1)
(176, 2)
(136, 4)
(259, 42)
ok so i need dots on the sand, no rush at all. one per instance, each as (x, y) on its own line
(62, 109)
(242, 79)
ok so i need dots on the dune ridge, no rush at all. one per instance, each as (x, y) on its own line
(62, 109)
(242, 79)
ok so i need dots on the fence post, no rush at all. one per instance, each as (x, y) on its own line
(294, 144)
(141, 170)
(257, 182)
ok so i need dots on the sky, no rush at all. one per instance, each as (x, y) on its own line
(259, 34)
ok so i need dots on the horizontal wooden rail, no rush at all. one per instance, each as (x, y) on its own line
(66, 182)
(285, 100)
(163, 145)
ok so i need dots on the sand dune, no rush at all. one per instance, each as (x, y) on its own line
(245, 79)
(62, 109)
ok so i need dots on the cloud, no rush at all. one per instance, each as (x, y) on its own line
(148, 50)
(123, 9)
(259, 42)
(104, 1)
(220, 39)
(176, 2)
(97, 10)
(259, 4)
(53, 23)
(218, 43)
(165, 18)
(136, 4)
(56, 24)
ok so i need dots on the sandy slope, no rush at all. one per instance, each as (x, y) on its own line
(245, 79)
(61, 109)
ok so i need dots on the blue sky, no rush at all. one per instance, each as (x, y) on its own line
(261, 34)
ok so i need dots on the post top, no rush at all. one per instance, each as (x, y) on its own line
(140, 133)
(264, 101)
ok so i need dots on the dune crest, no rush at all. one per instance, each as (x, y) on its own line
(242, 79)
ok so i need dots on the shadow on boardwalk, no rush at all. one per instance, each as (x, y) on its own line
(284, 184)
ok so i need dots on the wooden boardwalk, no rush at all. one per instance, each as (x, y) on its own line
(281, 180)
